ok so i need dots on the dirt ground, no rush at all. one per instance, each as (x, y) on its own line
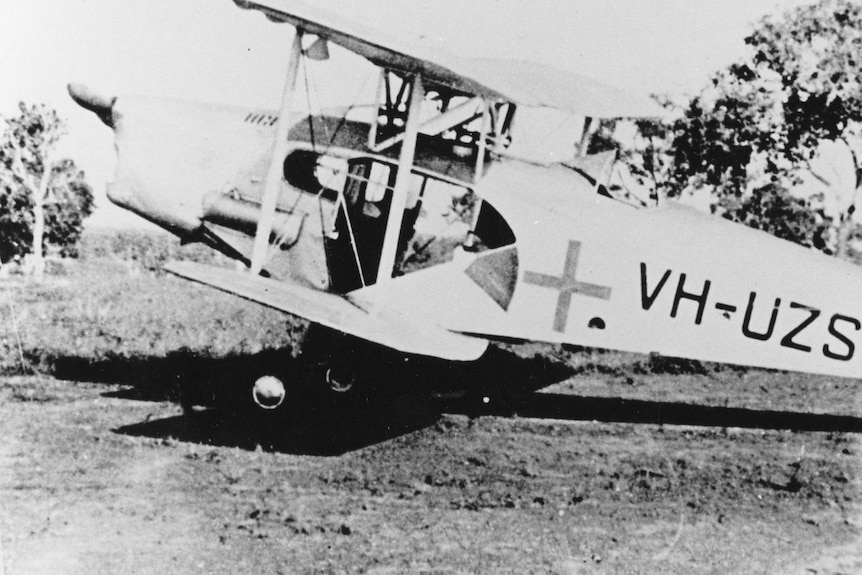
(579, 462)
(594, 474)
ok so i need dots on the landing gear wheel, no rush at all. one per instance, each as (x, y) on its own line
(340, 379)
(334, 363)
(268, 392)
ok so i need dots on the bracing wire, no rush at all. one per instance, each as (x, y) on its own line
(308, 102)
(350, 108)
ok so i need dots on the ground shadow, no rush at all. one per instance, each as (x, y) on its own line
(399, 394)
(169, 377)
(404, 395)
(202, 379)
(328, 431)
(618, 410)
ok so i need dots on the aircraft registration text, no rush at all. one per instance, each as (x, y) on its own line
(810, 331)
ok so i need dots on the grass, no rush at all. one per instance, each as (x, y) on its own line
(115, 304)
(139, 250)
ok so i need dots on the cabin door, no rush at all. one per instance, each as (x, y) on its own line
(353, 249)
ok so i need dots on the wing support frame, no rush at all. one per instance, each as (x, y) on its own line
(392, 105)
(482, 144)
(280, 149)
(402, 181)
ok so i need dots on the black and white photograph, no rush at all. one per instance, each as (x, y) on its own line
(342, 286)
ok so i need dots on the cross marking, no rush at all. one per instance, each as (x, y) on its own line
(566, 284)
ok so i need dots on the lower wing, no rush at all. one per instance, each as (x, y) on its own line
(380, 325)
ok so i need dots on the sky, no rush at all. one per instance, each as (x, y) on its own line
(210, 50)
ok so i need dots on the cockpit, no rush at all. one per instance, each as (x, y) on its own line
(355, 197)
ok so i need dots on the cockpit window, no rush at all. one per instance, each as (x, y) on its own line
(451, 216)
(314, 173)
(440, 215)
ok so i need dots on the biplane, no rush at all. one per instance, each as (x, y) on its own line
(415, 224)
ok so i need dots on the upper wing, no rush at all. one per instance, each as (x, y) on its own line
(381, 326)
(514, 81)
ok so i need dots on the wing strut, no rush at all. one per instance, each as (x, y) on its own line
(280, 148)
(402, 181)
(482, 144)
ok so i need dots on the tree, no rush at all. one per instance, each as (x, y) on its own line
(43, 199)
(752, 134)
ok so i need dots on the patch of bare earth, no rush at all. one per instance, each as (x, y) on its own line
(602, 473)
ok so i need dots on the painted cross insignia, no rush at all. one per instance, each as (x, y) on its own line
(566, 285)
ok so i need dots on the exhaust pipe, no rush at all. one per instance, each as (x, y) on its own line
(268, 392)
(100, 105)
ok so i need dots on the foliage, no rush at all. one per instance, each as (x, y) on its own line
(773, 209)
(43, 199)
(750, 136)
(15, 223)
(65, 215)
